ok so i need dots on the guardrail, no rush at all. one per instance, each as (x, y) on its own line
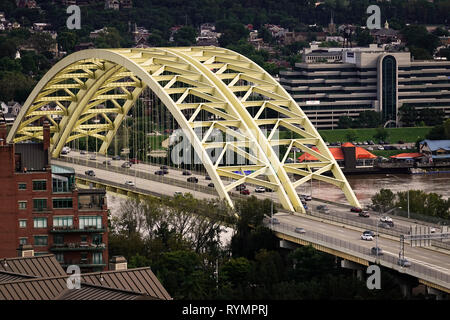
(387, 260)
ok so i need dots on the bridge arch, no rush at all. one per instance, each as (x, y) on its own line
(232, 89)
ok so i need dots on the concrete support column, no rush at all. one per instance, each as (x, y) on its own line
(440, 295)
(354, 266)
(288, 245)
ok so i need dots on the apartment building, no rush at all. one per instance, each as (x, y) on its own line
(41, 207)
(335, 82)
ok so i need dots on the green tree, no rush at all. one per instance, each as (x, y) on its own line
(345, 122)
(67, 41)
(369, 119)
(383, 200)
(381, 134)
(185, 36)
(408, 115)
(363, 37)
(432, 116)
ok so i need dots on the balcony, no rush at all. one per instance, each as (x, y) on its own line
(80, 246)
(72, 229)
(83, 263)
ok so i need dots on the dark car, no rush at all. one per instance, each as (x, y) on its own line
(161, 172)
(355, 209)
(241, 187)
(269, 190)
(107, 162)
(90, 173)
(207, 178)
(404, 262)
(376, 251)
(192, 179)
(369, 233)
(126, 164)
(211, 185)
(186, 173)
(164, 167)
(116, 157)
(245, 191)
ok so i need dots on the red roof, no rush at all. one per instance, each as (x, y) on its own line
(407, 155)
(337, 153)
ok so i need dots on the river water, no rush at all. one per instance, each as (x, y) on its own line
(365, 186)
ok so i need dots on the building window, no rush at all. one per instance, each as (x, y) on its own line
(39, 185)
(65, 203)
(40, 240)
(22, 186)
(59, 257)
(389, 88)
(22, 223)
(58, 239)
(42, 253)
(62, 221)
(60, 184)
(83, 238)
(97, 239)
(22, 240)
(22, 205)
(91, 221)
(39, 204)
(97, 258)
(40, 222)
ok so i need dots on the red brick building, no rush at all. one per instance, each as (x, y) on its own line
(41, 206)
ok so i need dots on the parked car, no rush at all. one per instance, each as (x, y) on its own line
(380, 148)
(211, 185)
(355, 209)
(134, 161)
(186, 173)
(178, 193)
(245, 192)
(192, 179)
(366, 237)
(369, 148)
(116, 157)
(126, 164)
(300, 230)
(90, 173)
(260, 189)
(371, 142)
(129, 183)
(107, 162)
(377, 251)
(404, 262)
(364, 214)
(323, 209)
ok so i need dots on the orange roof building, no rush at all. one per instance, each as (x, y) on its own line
(338, 154)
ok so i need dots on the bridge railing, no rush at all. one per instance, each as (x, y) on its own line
(415, 269)
(395, 231)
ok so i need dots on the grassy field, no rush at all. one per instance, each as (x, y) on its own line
(395, 134)
(388, 153)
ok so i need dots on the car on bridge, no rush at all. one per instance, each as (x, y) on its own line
(192, 179)
(269, 190)
(207, 178)
(164, 167)
(90, 173)
(83, 152)
(178, 193)
(300, 230)
(366, 237)
(211, 185)
(323, 209)
(107, 162)
(161, 172)
(186, 173)
(245, 192)
(274, 221)
(403, 262)
(92, 157)
(260, 189)
(388, 220)
(376, 251)
(240, 187)
(306, 197)
(116, 157)
(130, 183)
(364, 214)
(355, 209)
(126, 164)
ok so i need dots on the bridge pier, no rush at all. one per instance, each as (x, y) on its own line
(288, 245)
(440, 295)
(346, 264)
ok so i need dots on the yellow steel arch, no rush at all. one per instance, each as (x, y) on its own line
(189, 81)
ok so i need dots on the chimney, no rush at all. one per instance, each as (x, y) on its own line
(3, 131)
(46, 136)
(25, 250)
(118, 263)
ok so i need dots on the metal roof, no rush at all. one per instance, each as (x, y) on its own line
(437, 144)
(42, 278)
(38, 266)
(57, 169)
